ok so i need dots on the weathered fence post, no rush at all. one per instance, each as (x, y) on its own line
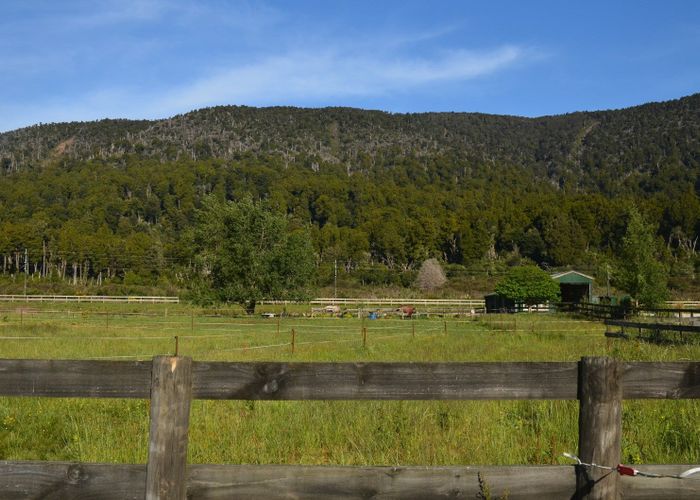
(171, 392)
(599, 427)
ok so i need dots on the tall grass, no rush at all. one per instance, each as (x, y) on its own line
(325, 432)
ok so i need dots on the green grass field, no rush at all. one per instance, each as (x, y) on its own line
(321, 432)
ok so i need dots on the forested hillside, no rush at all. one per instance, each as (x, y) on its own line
(114, 200)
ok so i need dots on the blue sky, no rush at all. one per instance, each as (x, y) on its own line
(83, 60)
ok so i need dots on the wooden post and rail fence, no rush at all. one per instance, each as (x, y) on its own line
(619, 312)
(599, 384)
(656, 330)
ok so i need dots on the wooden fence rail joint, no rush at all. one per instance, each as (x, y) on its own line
(600, 384)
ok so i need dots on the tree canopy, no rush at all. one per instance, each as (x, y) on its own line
(640, 271)
(246, 253)
(529, 285)
(93, 203)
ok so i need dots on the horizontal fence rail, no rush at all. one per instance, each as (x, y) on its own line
(654, 327)
(605, 311)
(22, 480)
(684, 304)
(90, 298)
(476, 303)
(344, 381)
(600, 385)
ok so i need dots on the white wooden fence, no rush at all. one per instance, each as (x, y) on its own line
(89, 298)
(466, 303)
(475, 303)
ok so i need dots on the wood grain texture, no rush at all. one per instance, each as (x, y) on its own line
(54, 480)
(599, 428)
(661, 380)
(75, 378)
(218, 482)
(660, 488)
(221, 380)
(64, 480)
(171, 394)
(389, 381)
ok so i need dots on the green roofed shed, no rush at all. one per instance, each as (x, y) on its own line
(496, 303)
(574, 286)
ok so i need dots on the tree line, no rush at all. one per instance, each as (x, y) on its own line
(378, 193)
(96, 220)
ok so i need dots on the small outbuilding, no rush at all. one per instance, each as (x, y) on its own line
(575, 286)
(496, 303)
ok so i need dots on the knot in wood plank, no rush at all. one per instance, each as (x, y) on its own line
(76, 474)
(271, 387)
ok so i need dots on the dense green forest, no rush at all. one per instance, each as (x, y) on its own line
(113, 203)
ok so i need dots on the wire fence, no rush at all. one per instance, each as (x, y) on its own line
(132, 336)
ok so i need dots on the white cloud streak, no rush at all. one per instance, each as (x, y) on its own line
(242, 52)
(304, 78)
(324, 75)
(322, 71)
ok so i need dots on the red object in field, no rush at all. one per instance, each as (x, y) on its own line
(408, 311)
(626, 471)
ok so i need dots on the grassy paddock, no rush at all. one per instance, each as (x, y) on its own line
(325, 432)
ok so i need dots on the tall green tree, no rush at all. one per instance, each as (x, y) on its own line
(639, 272)
(529, 285)
(246, 254)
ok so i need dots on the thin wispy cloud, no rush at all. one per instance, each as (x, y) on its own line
(311, 76)
(90, 59)
(81, 60)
